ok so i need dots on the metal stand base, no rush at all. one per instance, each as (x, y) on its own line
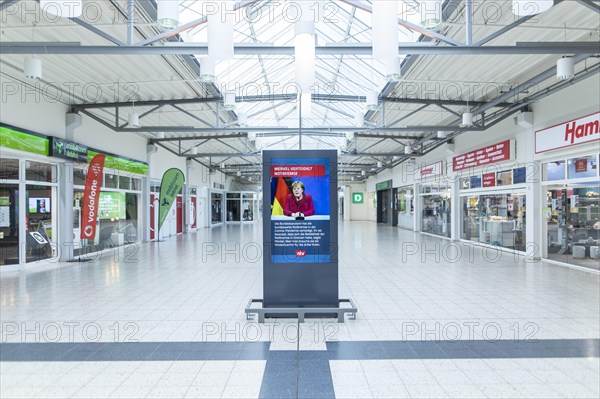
(301, 312)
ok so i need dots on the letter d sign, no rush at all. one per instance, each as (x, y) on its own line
(357, 198)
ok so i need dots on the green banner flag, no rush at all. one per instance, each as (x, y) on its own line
(170, 185)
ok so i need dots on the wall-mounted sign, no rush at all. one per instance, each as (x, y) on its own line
(23, 140)
(384, 185)
(425, 171)
(578, 131)
(489, 179)
(498, 152)
(358, 198)
(66, 149)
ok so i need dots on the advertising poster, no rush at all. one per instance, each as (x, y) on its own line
(91, 194)
(300, 228)
(170, 185)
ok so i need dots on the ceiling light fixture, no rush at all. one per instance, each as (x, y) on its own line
(33, 68)
(207, 70)
(384, 29)
(359, 119)
(62, 8)
(306, 104)
(194, 150)
(431, 14)
(407, 150)
(220, 31)
(242, 118)
(565, 68)
(372, 100)
(525, 8)
(304, 53)
(441, 134)
(379, 164)
(467, 119)
(134, 120)
(229, 100)
(251, 136)
(167, 14)
(392, 69)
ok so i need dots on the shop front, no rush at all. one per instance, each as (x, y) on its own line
(492, 194)
(406, 208)
(28, 198)
(569, 155)
(434, 200)
(241, 207)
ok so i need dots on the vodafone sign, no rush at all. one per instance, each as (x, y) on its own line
(579, 131)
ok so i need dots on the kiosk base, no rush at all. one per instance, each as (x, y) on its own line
(301, 312)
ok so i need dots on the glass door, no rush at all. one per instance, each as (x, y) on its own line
(9, 224)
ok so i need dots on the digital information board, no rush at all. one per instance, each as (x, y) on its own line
(300, 229)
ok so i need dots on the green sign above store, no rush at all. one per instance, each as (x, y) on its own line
(358, 198)
(19, 140)
(122, 164)
(384, 185)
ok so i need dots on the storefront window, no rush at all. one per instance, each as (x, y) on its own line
(216, 208)
(504, 178)
(125, 182)
(248, 207)
(41, 172)
(117, 221)
(136, 184)
(38, 223)
(554, 170)
(111, 180)
(9, 220)
(495, 219)
(582, 167)
(78, 177)
(405, 208)
(9, 169)
(436, 210)
(572, 216)
(233, 207)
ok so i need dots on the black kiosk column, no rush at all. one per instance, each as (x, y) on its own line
(300, 236)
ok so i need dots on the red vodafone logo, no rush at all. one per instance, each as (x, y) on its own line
(300, 253)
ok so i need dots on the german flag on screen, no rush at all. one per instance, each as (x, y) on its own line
(281, 193)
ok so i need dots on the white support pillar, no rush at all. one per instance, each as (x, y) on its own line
(22, 214)
(65, 210)
(186, 196)
(533, 200)
(417, 204)
(455, 209)
(145, 200)
(65, 194)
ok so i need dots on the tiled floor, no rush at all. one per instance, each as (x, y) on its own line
(436, 319)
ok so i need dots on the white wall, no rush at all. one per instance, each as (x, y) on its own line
(356, 211)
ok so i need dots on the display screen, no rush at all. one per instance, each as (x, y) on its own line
(111, 205)
(39, 205)
(300, 210)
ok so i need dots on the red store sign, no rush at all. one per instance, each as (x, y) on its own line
(578, 131)
(483, 156)
(489, 180)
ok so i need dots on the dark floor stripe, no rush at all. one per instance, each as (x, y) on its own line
(363, 350)
(147, 351)
(344, 350)
(297, 374)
